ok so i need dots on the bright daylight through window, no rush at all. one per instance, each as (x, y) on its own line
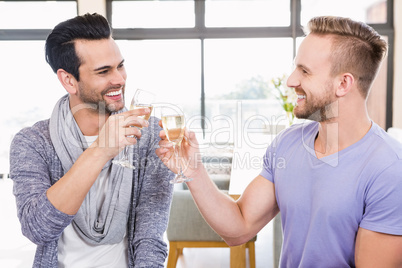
(215, 58)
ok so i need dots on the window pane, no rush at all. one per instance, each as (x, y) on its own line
(169, 68)
(31, 87)
(153, 14)
(237, 76)
(247, 13)
(369, 11)
(35, 15)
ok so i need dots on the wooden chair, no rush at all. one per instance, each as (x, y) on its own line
(188, 229)
(176, 249)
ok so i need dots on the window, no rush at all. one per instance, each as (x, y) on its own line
(35, 14)
(31, 88)
(169, 68)
(242, 45)
(238, 13)
(237, 74)
(153, 14)
(214, 57)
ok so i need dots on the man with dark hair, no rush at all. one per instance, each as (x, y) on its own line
(339, 187)
(79, 208)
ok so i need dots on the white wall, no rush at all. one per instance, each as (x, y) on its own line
(397, 101)
(92, 6)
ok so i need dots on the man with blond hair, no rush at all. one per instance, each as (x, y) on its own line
(339, 192)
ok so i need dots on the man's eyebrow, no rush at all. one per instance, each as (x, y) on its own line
(304, 67)
(102, 68)
(107, 66)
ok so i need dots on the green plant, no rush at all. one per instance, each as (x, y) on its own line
(285, 95)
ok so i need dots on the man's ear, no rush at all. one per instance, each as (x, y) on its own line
(345, 84)
(68, 81)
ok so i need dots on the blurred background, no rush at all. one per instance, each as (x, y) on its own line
(215, 58)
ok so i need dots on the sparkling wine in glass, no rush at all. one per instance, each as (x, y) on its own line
(141, 99)
(174, 123)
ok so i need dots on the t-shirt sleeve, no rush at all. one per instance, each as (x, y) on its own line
(383, 207)
(267, 171)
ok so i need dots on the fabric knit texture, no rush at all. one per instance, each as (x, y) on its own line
(35, 167)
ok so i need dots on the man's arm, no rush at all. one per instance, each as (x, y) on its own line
(33, 171)
(154, 196)
(44, 208)
(235, 221)
(375, 249)
(69, 192)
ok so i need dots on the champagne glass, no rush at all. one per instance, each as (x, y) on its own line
(141, 99)
(173, 123)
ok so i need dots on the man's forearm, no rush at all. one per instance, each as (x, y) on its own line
(68, 193)
(225, 218)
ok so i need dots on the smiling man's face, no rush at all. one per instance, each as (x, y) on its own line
(102, 74)
(312, 80)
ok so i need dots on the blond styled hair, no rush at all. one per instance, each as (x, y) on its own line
(356, 48)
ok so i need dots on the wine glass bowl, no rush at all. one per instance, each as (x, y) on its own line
(174, 127)
(141, 99)
(173, 123)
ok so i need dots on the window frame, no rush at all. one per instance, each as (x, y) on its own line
(201, 32)
(293, 31)
(28, 34)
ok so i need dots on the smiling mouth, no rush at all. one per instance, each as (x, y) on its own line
(114, 93)
(299, 97)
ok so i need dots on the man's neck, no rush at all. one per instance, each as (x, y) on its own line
(336, 135)
(89, 120)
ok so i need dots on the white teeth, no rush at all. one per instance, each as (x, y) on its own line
(114, 93)
(301, 96)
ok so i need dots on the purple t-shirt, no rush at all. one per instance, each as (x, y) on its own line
(324, 201)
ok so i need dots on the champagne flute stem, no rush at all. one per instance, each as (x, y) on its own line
(176, 154)
(125, 152)
(178, 157)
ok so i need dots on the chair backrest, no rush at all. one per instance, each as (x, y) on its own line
(186, 222)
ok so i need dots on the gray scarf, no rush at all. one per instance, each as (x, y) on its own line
(109, 224)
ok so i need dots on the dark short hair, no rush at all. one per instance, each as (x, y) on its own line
(59, 47)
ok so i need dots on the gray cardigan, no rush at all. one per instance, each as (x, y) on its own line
(34, 167)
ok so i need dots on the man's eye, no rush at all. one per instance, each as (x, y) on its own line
(102, 72)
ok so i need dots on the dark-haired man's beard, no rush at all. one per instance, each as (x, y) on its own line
(318, 109)
(96, 101)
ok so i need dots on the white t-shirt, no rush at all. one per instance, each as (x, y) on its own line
(73, 251)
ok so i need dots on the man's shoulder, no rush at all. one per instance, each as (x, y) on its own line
(31, 143)
(40, 130)
(302, 130)
(385, 144)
